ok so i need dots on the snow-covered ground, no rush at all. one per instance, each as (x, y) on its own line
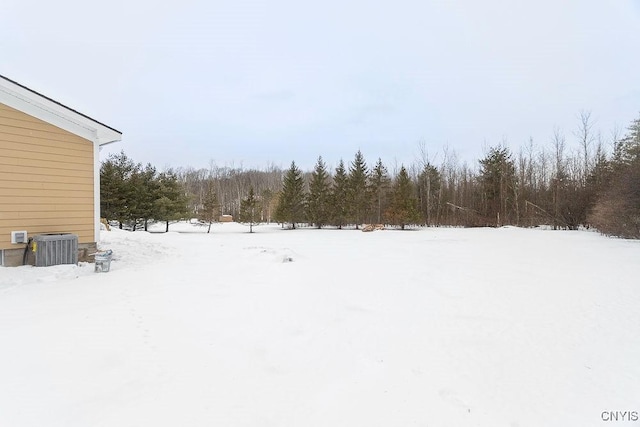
(431, 327)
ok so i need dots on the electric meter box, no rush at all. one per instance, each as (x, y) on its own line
(18, 237)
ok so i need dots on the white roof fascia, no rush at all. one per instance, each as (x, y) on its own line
(33, 104)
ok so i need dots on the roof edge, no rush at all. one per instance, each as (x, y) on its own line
(50, 104)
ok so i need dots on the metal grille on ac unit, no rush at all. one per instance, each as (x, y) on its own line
(55, 249)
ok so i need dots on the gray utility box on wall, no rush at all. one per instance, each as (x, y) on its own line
(55, 249)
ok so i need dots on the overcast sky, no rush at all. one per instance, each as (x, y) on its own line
(254, 82)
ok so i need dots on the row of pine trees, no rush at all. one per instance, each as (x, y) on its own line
(133, 195)
(566, 187)
(352, 197)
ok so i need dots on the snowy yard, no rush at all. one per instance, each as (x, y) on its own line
(432, 327)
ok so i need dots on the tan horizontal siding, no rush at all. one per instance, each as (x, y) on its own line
(47, 186)
(37, 194)
(42, 223)
(42, 136)
(44, 171)
(13, 114)
(65, 146)
(18, 174)
(85, 233)
(25, 158)
(5, 109)
(30, 214)
(14, 120)
(15, 132)
(30, 125)
(21, 151)
(67, 207)
(46, 179)
(42, 147)
(44, 199)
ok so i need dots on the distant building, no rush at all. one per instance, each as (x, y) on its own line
(225, 218)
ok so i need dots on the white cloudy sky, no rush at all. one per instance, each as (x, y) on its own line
(252, 82)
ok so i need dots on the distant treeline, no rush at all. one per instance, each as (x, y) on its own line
(594, 183)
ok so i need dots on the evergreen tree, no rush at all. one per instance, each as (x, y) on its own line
(498, 179)
(600, 174)
(249, 210)
(617, 211)
(598, 180)
(172, 203)
(379, 189)
(291, 202)
(319, 195)
(404, 205)
(116, 192)
(110, 199)
(146, 188)
(630, 144)
(429, 185)
(209, 212)
(358, 189)
(340, 196)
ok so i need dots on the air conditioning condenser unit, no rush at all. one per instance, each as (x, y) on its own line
(55, 249)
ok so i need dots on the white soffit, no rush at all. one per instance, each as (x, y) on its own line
(29, 102)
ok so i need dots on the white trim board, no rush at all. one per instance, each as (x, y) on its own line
(43, 108)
